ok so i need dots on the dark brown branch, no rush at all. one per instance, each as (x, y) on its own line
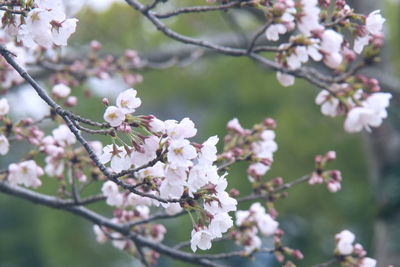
(198, 9)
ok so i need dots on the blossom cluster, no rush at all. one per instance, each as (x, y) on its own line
(250, 222)
(363, 109)
(355, 254)
(332, 178)
(183, 172)
(257, 144)
(320, 40)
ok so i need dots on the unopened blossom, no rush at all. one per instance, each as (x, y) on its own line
(201, 239)
(345, 242)
(285, 79)
(4, 107)
(127, 101)
(4, 145)
(63, 135)
(114, 116)
(61, 90)
(26, 173)
(234, 125)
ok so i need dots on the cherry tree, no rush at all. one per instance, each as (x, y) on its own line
(150, 170)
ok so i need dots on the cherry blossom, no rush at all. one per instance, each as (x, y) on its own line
(26, 173)
(4, 107)
(114, 116)
(127, 101)
(201, 239)
(4, 145)
(61, 90)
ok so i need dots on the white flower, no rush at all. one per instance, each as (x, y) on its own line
(333, 60)
(200, 175)
(110, 190)
(374, 22)
(201, 239)
(252, 243)
(331, 41)
(241, 216)
(184, 129)
(368, 262)
(63, 135)
(150, 146)
(273, 31)
(114, 116)
(100, 236)
(61, 90)
(359, 43)
(285, 79)
(127, 101)
(61, 33)
(329, 104)
(172, 208)
(345, 242)
(4, 145)
(4, 107)
(225, 204)
(26, 173)
(157, 125)
(371, 114)
(208, 153)
(220, 224)
(309, 20)
(180, 152)
(266, 224)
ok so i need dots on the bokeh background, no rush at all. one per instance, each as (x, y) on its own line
(211, 91)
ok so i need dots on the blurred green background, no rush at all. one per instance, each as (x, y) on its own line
(210, 91)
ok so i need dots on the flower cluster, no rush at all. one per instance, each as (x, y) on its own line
(250, 222)
(256, 144)
(332, 178)
(317, 40)
(363, 110)
(356, 253)
(181, 170)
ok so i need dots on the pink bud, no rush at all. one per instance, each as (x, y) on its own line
(330, 155)
(318, 159)
(297, 254)
(278, 181)
(269, 122)
(95, 45)
(106, 102)
(71, 101)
